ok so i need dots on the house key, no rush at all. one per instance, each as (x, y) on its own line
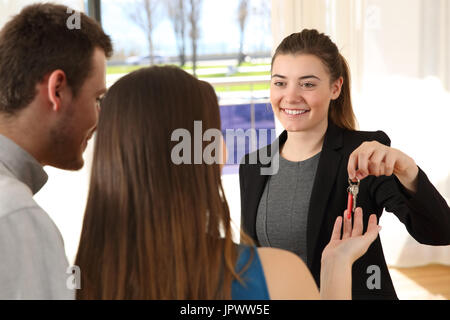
(352, 190)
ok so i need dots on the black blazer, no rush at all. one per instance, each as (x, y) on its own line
(426, 215)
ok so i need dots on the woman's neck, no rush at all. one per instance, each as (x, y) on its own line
(302, 145)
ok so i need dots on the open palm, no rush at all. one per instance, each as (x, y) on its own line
(353, 244)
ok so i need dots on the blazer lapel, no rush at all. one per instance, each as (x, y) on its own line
(323, 183)
(258, 183)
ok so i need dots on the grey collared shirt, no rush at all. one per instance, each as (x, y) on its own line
(33, 262)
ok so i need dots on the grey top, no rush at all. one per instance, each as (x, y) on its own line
(33, 262)
(283, 209)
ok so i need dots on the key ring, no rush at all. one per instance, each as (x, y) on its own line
(353, 189)
(350, 182)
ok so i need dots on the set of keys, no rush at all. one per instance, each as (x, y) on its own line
(352, 190)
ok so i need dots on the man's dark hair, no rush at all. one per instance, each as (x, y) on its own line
(38, 41)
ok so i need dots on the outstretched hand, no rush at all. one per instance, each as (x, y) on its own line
(352, 244)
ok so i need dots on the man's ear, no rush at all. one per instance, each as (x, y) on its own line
(336, 87)
(57, 83)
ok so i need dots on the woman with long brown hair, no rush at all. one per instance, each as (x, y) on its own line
(319, 154)
(158, 228)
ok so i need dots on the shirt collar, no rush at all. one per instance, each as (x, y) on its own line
(22, 165)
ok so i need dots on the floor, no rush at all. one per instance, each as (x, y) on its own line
(431, 282)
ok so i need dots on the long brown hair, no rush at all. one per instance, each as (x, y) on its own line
(153, 229)
(320, 45)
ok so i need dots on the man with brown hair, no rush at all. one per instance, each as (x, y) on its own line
(52, 77)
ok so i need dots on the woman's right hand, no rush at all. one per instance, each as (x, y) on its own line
(353, 244)
(340, 253)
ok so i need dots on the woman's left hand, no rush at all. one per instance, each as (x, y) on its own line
(374, 158)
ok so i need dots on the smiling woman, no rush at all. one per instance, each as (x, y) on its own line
(320, 151)
(301, 101)
(324, 76)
